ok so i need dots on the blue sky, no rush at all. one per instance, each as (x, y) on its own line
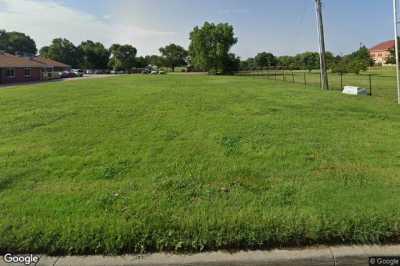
(277, 26)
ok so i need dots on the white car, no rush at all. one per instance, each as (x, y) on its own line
(78, 72)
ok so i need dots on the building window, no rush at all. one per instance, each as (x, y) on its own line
(27, 72)
(10, 73)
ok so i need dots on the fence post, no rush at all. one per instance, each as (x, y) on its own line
(341, 80)
(305, 80)
(284, 78)
(275, 74)
(370, 84)
(320, 80)
(292, 76)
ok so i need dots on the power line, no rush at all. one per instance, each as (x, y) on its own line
(303, 13)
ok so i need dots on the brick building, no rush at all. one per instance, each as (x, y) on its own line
(381, 52)
(24, 69)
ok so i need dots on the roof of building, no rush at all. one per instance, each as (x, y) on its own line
(384, 46)
(9, 60)
(49, 62)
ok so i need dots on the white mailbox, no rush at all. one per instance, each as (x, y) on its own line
(351, 90)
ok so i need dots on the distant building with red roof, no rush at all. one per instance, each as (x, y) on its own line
(381, 52)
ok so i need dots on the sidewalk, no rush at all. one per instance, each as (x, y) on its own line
(321, 256)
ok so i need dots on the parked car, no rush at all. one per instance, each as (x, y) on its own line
(78, 72)
(117, 72)
(89, 71)
(146, 71)
(157, 72)
(67, 74)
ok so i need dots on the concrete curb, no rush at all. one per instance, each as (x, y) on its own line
(317, 256)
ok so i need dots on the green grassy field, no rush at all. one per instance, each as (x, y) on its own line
(389, 71)
(192, 163)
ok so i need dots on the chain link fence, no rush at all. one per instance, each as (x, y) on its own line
(378, 85)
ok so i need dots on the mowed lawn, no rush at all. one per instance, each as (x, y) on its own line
(192, 163)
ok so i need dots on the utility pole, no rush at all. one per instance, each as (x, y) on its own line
(396, 22)
(324, 74)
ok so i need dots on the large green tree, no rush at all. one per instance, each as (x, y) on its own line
(355, 62)
(363, 56)
(44, 51)
(287, 62)
(94, 55)
(155, 60)
(231, 64)
(392, 57)
(210, 45)
(17, 43)
(330, 59)
(265, 59)
(308, 60)
(248, 64)
(122, 57)
(64, 51)
(174, 55)
(141, 62)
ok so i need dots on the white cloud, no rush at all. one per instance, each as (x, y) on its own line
(46, 20)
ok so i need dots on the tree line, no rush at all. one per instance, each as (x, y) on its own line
(355, 62)
(92, 55)
(209, 50)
